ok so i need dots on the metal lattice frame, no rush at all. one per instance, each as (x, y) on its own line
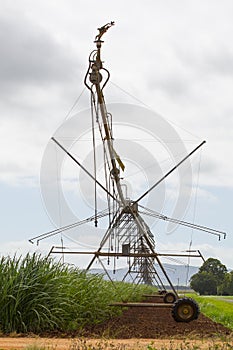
(128, 235)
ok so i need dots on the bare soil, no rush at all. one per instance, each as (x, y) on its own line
(10, 343)
(150, 322)
(136, 328)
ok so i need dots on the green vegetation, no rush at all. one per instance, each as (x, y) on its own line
(226, 288)
(39, 294)
(211, 278)
(217, 308)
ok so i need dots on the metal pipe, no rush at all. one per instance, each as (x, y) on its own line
(169, 172)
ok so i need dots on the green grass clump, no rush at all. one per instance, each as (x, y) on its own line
(39, 294)
(218, 310)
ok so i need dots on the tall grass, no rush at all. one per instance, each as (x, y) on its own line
(38, 294)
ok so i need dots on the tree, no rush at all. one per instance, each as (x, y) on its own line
(204, 283)
(210, 277)
(215, 268)
(226, 288)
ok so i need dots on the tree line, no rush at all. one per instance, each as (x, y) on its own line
(212, 279)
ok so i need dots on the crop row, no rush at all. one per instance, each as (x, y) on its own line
(39, 294)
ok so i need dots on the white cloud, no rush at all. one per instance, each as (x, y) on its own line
(174, 58)
(207, 251)
(180, 62)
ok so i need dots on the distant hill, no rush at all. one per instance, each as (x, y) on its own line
(179, 274)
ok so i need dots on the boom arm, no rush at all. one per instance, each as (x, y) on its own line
(95, 78)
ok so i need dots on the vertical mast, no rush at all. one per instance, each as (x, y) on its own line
(140, 239)
(96, 78)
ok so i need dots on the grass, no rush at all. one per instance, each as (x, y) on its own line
(217, 309)
(40, 295)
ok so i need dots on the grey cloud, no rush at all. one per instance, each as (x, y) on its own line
(192, 67)
(207, 61)
(171, 72)
(208, 166)
(174, 82)
(221, 61)
(174, 86)
(30, 55)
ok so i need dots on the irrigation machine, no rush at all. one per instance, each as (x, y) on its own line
(127, 236)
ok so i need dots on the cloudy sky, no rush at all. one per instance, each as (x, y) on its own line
(174, 56)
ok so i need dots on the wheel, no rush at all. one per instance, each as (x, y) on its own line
(185, 310)
(169, 298)
(162, 292)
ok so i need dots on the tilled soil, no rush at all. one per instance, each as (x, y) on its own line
(135, 329)
(155, 322)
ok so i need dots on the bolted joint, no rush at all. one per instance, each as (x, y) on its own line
(115, 173)
(95, 77)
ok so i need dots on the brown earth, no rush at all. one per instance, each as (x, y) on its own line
(150, 322)
(136, 328)
(114, 344)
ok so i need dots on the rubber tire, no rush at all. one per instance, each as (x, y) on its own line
(169, 298)
(162, 292)
(185, 310)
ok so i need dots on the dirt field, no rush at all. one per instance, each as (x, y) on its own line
(135, 329)
(115, 344)
(154, 323)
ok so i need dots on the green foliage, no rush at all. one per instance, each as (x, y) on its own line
(209, 277)
(215, 268)
(226, 288)
(217, 308)
(38, 294)
(204, 283)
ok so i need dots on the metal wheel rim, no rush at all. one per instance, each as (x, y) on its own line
(185, 311)
(170, 298)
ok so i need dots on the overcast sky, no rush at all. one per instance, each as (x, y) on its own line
(174, 56)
